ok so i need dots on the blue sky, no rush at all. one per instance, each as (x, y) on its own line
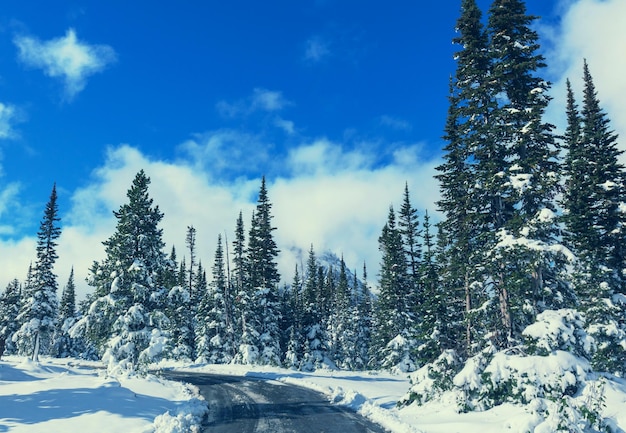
(337, 102)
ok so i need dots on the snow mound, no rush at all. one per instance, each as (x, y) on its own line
(545, 385)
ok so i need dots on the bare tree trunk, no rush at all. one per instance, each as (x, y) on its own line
(538, 284)
(468, 308)
(505, 310)
(36, 349)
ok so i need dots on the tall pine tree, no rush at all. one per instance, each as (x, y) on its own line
(593, 200)
(259, 298)
(40, 310)
(462, 191)
(9, 310)
(126, 319)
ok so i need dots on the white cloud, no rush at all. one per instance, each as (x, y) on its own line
(262, 100)
(339, 202)
(7, 118)
(66, 58)
(8, 196)
(286, 125)
(19, 254)
(316, 49)
(592, 30)
(268, 100)
(395, 123)
(322, 157)
(228, 152)
(334, 199)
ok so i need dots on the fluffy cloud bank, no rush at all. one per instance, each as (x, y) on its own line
(334, 199)
(592, 30)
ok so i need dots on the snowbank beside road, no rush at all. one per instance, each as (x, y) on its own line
(67, 395)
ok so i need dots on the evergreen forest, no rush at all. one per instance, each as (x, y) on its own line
(527, 261)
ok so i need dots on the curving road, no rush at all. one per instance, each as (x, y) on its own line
(247, 405)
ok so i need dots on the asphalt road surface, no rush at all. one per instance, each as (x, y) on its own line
(247, 405)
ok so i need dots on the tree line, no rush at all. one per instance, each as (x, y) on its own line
(533, 220)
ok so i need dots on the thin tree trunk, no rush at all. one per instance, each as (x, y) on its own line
(505, 310)
(468, 308)
(36, 349)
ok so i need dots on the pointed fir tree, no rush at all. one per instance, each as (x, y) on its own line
(63, 344)
(179, 311)
(126, 320)
(463, 193)
(67, 307)
(248, 336)
(593, 200)
(292, 315)
(364, 323)
(338, 327)
(264, 278)
(578, 233)
(525, 269)
(239, 248)
(607, 186)
(262, 251)
(315, 337)
(260, 317)
(190, 241)
(40, 311)
(237, 278)
(221, 335)
(434, 322)
(408, 224)
(9, 311)
(170, 277)
(394, 321)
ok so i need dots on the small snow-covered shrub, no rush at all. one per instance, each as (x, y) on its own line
(558, 330)
(397, 355)
(433, 379)
(520, 378)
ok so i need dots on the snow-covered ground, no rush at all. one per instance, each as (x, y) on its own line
(71, 396)
(63, 395)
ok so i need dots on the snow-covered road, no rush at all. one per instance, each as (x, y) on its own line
(248, 404)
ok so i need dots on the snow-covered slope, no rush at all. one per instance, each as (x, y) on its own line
(65, 396)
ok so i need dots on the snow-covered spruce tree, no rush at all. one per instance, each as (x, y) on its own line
(464, 220)
(394, 328)
(408, 224)
(315, 346)
(190, 241)
(63, 342)
(341, 334)
(363, 300)
(436, 311)
(524, 259)
(182, 302)
(215, 333)
(594, 201)
(126, 319)
(170, 275)
(9, 310)
(353, 314)
(179, 310)
(40, 309)
(291, 319)
(260, 340)
(237, 278)
(223, 305)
